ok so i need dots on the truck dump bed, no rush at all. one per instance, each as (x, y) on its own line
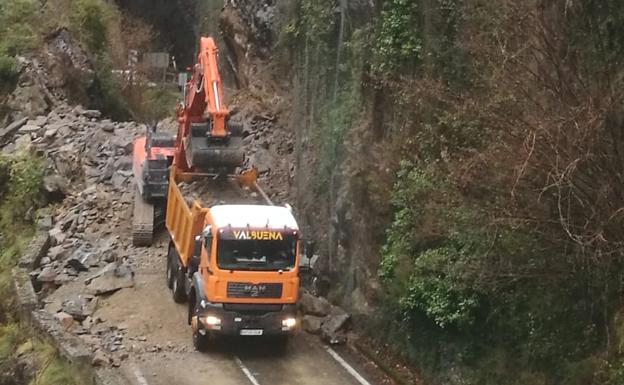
(209, 192)
(189, 201)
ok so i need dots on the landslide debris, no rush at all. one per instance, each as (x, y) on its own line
(89, 182)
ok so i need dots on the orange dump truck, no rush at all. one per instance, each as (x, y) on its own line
(233, 256)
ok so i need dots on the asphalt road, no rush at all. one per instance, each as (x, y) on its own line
(161, 353)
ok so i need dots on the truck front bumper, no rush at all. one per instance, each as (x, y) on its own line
(247, 319)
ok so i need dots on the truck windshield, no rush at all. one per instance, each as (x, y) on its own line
(256, 254)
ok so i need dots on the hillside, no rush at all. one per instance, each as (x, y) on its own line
(456, 164)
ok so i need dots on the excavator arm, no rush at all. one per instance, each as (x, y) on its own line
(204, 142)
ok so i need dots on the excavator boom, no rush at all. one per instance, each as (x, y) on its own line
(205, 141)
(205, 144)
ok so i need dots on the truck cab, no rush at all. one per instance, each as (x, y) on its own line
(247, 278)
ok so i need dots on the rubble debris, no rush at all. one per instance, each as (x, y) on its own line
(100, 358)
(80, 306)
(65, 319)
(47, 274)
(11, 129)
(83, 258)
(333, 328)
(111, 278)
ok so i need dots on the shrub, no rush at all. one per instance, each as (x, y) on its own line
(24, 194)
(90, 18)
(8, 70)
(18, 31)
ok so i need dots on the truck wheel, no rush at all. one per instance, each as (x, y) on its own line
(201, 342)
(281, 343)
(177, 286)
(170, 267)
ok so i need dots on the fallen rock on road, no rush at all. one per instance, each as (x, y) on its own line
(110, 279)
(312, 305)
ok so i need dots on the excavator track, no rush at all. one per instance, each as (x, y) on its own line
(143, 221)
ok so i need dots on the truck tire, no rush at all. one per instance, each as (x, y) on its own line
(169, 274)
(201, 342)
(281, 344)
(179, 281)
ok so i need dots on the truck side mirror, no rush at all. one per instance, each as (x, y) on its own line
(310, 248)
(196, 253)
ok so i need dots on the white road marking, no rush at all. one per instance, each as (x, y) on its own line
(246, 371)
(348, 367)
(139, 376)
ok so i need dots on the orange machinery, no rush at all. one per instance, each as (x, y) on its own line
(235, 263)
(206, 142)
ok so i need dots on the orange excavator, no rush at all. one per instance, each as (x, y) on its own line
(206, 142)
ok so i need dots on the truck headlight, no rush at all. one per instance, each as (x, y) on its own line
(289, 323)
(211, 320)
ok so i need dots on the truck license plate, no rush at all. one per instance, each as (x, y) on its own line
(251, 332)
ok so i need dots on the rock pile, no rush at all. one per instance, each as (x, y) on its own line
(88, 175)
(89, 170)
(321, 317)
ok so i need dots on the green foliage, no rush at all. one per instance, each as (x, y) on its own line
(158, 103)
(90, 18)
(453, 275)
(18, 31)
(9, 335)
(53, 370)
(24, 190)
(106, 91)
(420, 36)
(330, 136)
(399, 43)
(483, 282)
(317, 19)
(596, 32)
(8, 71)
(44, 358)
(438, 289)
(20, 195)
(431, 281)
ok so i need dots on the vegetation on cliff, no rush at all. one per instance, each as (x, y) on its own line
(499, 123)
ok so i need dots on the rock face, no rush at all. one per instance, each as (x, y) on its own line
(62, 71)
(70, 72)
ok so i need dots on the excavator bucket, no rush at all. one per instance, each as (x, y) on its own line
(205, 153)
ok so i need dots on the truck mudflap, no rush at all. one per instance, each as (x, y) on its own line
(247, 319)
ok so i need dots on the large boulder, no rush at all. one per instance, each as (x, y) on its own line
(312, 305)
(311, 324)
(111, 278)
(70, 72)
(79, 306)
(334, 326)
(29, 98)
